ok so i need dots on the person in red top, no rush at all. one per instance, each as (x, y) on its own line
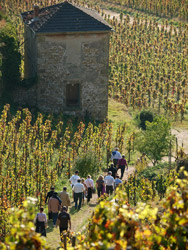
(121, 164)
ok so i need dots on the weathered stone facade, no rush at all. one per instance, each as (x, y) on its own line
(68, 62)
(70, 59)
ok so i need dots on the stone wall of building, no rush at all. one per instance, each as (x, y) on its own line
(30, 53)
(71, 59)
(26, 96)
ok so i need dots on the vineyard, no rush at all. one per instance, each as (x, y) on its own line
(161, 8)
(33, 154)
(148, 59)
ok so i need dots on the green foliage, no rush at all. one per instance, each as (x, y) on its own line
(152, 172)
(87, 163)
(22, 230)
(155, 140)
(11, 57)
(145, 115)
(115, 224)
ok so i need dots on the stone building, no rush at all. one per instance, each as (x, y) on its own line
(67, 49)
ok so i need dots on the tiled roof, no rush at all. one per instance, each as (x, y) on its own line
(65, 17)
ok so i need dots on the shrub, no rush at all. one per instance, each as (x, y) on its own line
(11, 57)
(87, 163)
(144, 116)
(155, 140)
(22, 233)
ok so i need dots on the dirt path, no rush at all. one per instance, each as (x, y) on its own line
(117, 16)
(182, 136)
(79, 220)
(2, 23)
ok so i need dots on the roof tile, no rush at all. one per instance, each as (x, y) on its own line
(65, 17)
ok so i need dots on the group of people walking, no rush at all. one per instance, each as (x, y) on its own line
(82, 189)
(109, 183)
(56, 204)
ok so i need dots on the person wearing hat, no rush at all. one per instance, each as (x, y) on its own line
(115, 156)
(109, 181)
(54, 207)
(63, 221)
(48, 196)
(121, 164)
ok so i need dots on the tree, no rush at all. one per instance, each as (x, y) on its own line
(11, 57)
(155, 140)
(145, 115)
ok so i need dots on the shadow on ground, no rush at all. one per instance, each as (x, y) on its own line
(50, 226)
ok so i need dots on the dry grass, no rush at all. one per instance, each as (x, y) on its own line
(2, 23)
(118, 112)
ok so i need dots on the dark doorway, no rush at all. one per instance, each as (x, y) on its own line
(73, 95)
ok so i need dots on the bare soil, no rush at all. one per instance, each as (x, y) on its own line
(2, 23)
(182, 136)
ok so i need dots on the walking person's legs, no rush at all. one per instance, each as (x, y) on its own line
(89, 194)
(80, 200)
(43, 229)
(107, 189)
(76, 200)
(111, 190)
(83, 197)
(122, 171)
(61, 229)
(115, 161)
(98, 192)
(54, 216)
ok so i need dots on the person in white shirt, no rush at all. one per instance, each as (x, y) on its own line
(78, 190)
(74, 178)
(41, 222)
(115, 156)
(109, 181)
(90, 186)
(73, 181)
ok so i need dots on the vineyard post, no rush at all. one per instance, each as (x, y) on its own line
(69, 166)
(129, 151)
(107, 156)
(133, 137)
(73, 241)
(170, 155)
(176, 148)
(65, 241)
(134, 185)
(128, 196)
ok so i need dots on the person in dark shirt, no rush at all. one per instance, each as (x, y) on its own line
(121, 164)
(55, 195)
(48, 196)
(113, 170)
(63, 221)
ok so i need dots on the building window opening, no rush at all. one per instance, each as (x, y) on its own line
(72, 95)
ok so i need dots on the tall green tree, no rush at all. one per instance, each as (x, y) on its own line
(155, 141)
(11, 57)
